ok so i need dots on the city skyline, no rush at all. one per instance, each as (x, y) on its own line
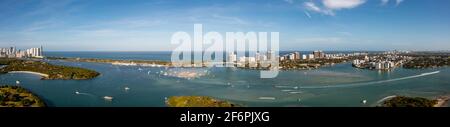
(304, 25)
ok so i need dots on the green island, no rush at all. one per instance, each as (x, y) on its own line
(46, 70)
(427, 62)
(16, 96)
(403, 101)
(116, 62)
(309, 64)
(197, 101)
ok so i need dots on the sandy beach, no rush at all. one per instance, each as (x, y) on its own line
(30, 72)
(442, 101)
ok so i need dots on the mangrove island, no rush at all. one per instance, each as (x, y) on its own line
(15, 96)
(197, 101)
(46, 70)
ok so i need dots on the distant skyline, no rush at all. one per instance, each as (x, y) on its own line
(147, 25)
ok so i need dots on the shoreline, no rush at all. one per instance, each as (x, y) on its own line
(442, 101)
(31, 72)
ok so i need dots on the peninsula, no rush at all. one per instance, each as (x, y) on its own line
(46, 70)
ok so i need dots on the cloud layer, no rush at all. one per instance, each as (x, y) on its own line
(328, 7)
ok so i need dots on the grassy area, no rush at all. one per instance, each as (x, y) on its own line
(197, 101)
(402, 101)
(53, 71)
(15, 96)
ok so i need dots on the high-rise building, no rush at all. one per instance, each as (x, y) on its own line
(304, 57)
(292, 56)
(12, 52)
(270, 55)
(297, 55)
(319, 54)
(311, 56)
(232, 57)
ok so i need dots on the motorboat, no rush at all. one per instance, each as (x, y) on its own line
(109, 98)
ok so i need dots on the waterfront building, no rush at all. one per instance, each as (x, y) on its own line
(297, 55)
(319, 54)
(311, 56)
(270, 55)
(291, 56)
(304, 57)
(12, 52)
(232, 57)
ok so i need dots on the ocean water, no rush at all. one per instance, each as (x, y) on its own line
(334, 86)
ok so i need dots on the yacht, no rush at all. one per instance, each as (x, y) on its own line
(109, 98)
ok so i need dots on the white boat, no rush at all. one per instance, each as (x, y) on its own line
(109, 98)
(76, 92)
(17, 82)
(266, 98)
(127, 88)
(295, 92)
(287, 90)
(364, 101)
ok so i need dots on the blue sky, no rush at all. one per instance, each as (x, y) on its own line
(147, 25)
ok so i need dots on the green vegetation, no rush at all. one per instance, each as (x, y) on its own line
(156, 62)
(402, 101)
(15, 96)
(309, 64)
(427, 62)
(53, 71)
(197, 101)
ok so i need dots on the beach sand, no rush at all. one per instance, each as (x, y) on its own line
(442, 101)
(30, 72)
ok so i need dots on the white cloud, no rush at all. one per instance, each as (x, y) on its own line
(384, 2)
(397, 2)
(313, 7)
(329, 6)
(342, 4)
(307, 14)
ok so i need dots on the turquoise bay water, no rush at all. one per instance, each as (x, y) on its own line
(338, 85)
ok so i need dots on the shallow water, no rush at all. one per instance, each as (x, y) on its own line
(339, 85)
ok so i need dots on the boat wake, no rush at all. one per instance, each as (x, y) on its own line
(370, 83)
(86, 94)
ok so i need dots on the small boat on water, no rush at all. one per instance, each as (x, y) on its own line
(76, 92)
(266, 98)
(364, 101)
(17, 82)
(109, 98)
(127, 88)
(295, 92)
